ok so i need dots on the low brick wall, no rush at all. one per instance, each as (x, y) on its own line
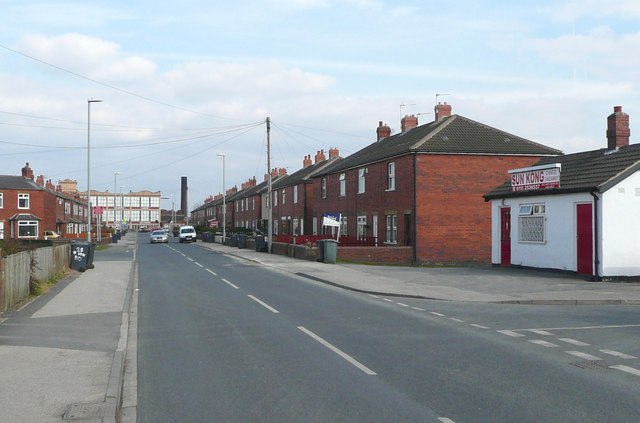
(387, 255)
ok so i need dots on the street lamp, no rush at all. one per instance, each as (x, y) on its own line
(115, 194)
(91, 100)
(224, 202)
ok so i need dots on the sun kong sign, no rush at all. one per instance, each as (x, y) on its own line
(536, 177)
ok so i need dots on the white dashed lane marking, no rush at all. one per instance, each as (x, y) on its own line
(263, 304)
(584, 356)
(212, 272)
(229, 283)
(437, 314)
(626, 369)
(618, 354)
(540, 332)
(475, 325)
(336, 350)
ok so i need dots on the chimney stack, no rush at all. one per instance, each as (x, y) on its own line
(49, 185)
(383, 131)
(618, 131)
(333, 153)
(408, 122)
(184, 204)
(442, 110)
(307, 161)
(40, 180)
(320, 157)
(27, 172)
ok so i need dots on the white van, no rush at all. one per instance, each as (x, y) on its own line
(187, 234)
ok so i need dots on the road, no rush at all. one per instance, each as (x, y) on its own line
(224, 340)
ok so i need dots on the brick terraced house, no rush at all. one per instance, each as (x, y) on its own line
(29, 207)
(422, 189)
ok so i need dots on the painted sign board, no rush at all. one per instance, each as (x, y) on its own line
(535, 177)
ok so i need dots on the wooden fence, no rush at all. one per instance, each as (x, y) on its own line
(17, 270)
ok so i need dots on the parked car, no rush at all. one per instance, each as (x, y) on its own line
(187, 234)
(158, 236)
(51, 235)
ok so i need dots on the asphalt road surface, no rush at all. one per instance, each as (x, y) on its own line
(224, 340)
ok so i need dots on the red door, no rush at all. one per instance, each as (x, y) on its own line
(505, 236)
(584, 236)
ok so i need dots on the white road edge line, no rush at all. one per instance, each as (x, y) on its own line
(230, 284)
(584, 356)
(540, 332)
(574, 342)
(211, 271)
(265, 305)
(543, 343)
(510, 333)
(618, 354)
(338, 351)
(627, 369)
(475, 325)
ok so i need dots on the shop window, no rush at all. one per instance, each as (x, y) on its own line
(531, 223)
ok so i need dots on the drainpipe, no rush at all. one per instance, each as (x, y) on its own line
(596, 262)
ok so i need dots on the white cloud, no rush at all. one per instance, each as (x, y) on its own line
(571, 11)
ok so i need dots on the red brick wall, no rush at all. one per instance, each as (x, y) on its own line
(375, 200)
(453, 220)
(395, 255)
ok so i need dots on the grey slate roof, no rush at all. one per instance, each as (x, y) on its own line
(455, 134)
(588, 171)
(18, 182)
(305, 173)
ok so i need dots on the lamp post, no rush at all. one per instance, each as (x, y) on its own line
(224, 201)
(91, 100)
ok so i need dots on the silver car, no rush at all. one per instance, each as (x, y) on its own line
(159, 236)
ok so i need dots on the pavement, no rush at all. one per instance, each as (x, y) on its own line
(69, 355)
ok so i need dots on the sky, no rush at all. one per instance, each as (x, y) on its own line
(183, 82)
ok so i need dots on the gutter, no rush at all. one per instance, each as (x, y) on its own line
(596, 242)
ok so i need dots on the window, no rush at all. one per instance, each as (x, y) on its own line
(28, 229)
(23, 201)
(361, 180)
(1, 200)
(110, 201)
(323, 188)
(135, 201)
(392, 228)
(284, 198)
(343, 225)
(295, 194)
(67, 208)
(154, 201)
(531, 223)
(127, 202)
(275, 198)
(343, 185)
(362, 226)
(391, 176)
(144, 201)
(253, 203)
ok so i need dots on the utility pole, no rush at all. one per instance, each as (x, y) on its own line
(269, 196)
